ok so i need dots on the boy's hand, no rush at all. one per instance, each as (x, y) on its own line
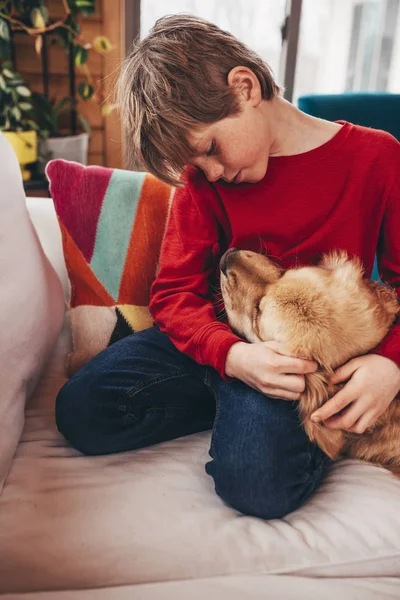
(268, 368)
(373, 382)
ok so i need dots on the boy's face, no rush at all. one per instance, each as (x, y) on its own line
(235, 149)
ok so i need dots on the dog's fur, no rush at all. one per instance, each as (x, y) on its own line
(328, 313)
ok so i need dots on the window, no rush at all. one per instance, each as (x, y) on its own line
(344, 45)
(371, 49)
(348, 45)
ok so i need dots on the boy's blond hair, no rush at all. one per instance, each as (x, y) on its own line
(176, 79)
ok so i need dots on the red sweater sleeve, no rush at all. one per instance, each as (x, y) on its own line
(181, 299)
(389, 251)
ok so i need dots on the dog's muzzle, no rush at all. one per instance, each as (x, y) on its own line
(226, 259)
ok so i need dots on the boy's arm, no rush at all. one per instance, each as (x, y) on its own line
(181, 299)
(389, 257)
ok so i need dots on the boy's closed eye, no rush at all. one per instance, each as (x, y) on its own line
(211, 149)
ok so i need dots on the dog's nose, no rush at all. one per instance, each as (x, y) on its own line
(224, 262)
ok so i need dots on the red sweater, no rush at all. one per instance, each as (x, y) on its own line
(343, 195)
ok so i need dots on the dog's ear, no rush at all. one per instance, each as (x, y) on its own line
(271, 271)
(318, 391)
(387, 297)
(331, 441)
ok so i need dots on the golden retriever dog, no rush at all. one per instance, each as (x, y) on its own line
(328, 313)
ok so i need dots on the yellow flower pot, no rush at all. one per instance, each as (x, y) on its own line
(24, 144)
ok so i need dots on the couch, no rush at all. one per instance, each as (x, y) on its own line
(148, 525)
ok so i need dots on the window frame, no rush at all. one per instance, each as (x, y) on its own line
(289, 31)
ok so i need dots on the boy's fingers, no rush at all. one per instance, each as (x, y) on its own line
(278, 348)
(281, 349)
(364, 422)
(283, 394)
(292, 383)
(348, 419)
(337, 403)
(298, 366)
(345, 372)
(290, 363)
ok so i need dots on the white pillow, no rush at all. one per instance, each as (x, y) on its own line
(31, 306)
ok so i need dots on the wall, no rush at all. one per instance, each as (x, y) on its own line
(105, 141)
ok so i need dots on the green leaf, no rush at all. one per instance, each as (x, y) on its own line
(87, 7)
(25, 106)
(9, 73)
(33, 125)
(39, 17)
(4, 30)
(15, 82)
(3, 84)
(85, 124)
(101, 43)
(84, 3)
(16, 113)
(49, 121)
(45, 13)
(63, 36)
(23, 91)
(80, 55)
(61, 104)
(85, 90)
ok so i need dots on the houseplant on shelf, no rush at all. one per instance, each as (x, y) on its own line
(16, 118)
(52, 117)
(65, 137)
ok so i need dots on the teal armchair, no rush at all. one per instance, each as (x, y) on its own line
(379, 110)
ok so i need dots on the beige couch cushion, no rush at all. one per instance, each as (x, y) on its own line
(69, 521)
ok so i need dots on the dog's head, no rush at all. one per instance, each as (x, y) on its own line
(328, 313)
(245, 279)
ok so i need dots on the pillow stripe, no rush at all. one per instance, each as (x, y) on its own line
(144, 249)
(85, 287)
(114, 228)
(69, 183)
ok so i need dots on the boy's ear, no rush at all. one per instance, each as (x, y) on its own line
(246, 84)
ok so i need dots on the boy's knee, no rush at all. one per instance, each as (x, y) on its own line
(264, 491)
(74, 416)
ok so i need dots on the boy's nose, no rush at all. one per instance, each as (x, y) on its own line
(214, 173)
(213, 178)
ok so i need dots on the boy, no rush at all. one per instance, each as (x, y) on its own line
(260, 175)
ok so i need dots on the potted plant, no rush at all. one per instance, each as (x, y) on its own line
(52, 117)
(16, 118)
(62, 137)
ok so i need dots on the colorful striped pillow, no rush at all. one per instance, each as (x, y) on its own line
(112, 224)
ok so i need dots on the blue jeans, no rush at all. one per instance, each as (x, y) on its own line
(141, 391)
